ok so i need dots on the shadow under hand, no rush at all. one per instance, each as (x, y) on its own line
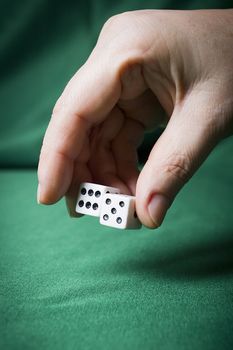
(195, 259)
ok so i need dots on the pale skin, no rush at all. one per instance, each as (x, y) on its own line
(148, 68)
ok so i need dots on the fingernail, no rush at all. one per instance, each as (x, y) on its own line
(38, 194)
(157, 208)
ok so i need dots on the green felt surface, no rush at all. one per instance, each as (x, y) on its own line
(73, 284)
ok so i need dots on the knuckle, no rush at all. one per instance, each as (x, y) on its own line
(178, 166)
(111, 21)
(123, 43)
(59, 107)
(115, 21)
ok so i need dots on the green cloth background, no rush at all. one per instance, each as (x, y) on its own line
(71, 283)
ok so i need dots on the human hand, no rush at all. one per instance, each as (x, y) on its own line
(144, 62)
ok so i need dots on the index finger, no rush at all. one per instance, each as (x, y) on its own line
(87, 99)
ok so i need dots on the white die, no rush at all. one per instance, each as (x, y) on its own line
(90, 198)
(118, 210)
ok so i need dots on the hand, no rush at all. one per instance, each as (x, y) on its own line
(145, 62)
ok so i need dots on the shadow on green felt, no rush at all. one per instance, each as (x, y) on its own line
(197, 259)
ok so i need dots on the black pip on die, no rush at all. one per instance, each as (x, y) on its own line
(90, 198)
(118, 211)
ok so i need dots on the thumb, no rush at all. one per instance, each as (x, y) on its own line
(187, 140)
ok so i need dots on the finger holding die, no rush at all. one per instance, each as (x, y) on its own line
(119, 211)
(90, 198)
